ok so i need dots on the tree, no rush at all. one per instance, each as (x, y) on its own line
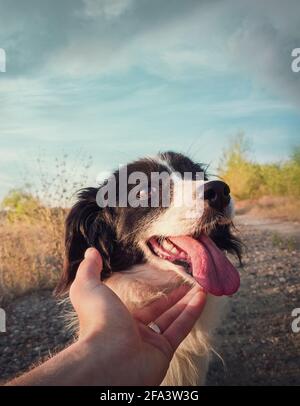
(243, 176)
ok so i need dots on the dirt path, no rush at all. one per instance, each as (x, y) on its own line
(255, 341)
(290, 229)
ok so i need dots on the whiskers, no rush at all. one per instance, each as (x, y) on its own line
(211, 220)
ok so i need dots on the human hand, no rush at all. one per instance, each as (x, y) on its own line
(121, 348)
(114, 346)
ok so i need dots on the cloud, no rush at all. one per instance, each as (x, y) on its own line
(130, 76)
(106, 8)
(262, 43)
(174, 40)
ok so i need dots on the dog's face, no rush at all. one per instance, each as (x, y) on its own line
(170, 238)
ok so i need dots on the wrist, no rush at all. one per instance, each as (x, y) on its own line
(105, 363)
(98, 365)
(90, 360)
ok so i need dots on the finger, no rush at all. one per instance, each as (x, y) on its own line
(182, 326)
(88, 274)
(155, 309)
(171, 314)
(91, 267)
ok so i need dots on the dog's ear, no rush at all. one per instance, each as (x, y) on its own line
(87, 225)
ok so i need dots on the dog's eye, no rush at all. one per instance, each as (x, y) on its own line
(146, 193)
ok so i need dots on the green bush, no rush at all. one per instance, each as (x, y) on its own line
(20, 205)
(250, 180)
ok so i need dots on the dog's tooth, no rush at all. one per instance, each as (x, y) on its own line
(167, 245)
(174, 250)
(156, 250)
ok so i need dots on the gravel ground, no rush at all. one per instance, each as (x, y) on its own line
(255, 340)
(35, 329)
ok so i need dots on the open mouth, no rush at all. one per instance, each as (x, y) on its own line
(200, 258)
(165, 249)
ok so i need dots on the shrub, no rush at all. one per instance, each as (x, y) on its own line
(251, 180)
(20, 205)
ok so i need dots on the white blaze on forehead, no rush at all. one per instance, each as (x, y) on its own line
(184, 212)
(189, 187)
(186, 207)
(164, 163)
(187, 190)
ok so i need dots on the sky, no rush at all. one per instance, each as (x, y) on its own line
(119, 79)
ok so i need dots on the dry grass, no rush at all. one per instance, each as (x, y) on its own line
(31, 254)
(283, 208)
(32, 225)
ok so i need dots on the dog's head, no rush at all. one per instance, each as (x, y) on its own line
(171, 237)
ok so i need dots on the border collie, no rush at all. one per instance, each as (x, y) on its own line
(149, 251)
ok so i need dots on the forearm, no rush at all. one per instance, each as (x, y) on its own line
(85, 363)
(76, 365)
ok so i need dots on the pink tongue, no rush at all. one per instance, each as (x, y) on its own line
(211, 268)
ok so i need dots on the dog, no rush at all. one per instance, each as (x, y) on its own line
(149, 251)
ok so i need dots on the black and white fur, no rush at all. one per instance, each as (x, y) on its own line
(132, 269)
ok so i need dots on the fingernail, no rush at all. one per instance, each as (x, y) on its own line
(93, 253)
(198, 299)
(90, 252)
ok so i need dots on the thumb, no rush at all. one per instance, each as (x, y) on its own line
(88, 273)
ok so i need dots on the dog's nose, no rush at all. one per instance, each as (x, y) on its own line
(217, 193)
